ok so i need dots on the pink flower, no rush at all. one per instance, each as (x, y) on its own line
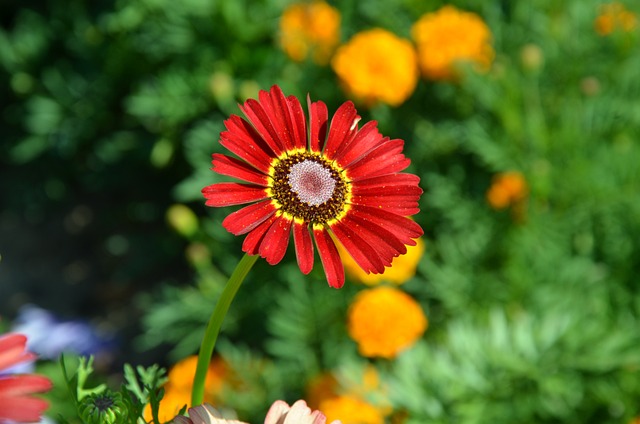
(281, 413)
(203, 414)
(15, 402)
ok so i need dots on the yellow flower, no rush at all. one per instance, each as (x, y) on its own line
(384, 321)
(448, 36)
(402, 267)
(614, 16)
(178, 388)
(310, 28)
(351, 410)
(377, 66)
(507, 189)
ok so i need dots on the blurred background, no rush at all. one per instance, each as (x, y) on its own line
(521, 118)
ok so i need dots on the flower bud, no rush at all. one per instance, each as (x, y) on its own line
(183, 220)
(532, 57)
(103, 408)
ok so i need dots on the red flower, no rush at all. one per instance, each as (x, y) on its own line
(335, 181)
(15, 402)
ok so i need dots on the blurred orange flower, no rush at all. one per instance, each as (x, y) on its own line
(448, 36)
(178, 389)
(402, 267)
(507, 189)
(310, 29)
(365, 390)
(614, 16)
(321, 387)
(384, 321)
(377, 66)
(351, 410)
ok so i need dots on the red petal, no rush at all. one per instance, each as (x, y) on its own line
(22, 409)
(226, 194)
(251, 243)
(233, 167)
(404, 229)
(318, 119)
(12, 350)
(365, 140)
(385, 242)
(389, 180)
(330, 258)
(248, 218)
(344, 125)
(17, 385)
(256, 114)
(361, 252)
(304, 247)
(409, 191)
(276, 239)
(400, 199)
(390, 205)
(243, 140)
(277, 109)
(299, 123)
(398, 207)
(385, 159)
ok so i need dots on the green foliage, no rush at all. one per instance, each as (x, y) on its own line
(151, 378)
(101, 405)
(560, 366)
(78, 379)
(300, 321)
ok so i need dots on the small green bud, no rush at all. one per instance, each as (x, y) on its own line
(103, 408)
(183, 220)
(222, 87)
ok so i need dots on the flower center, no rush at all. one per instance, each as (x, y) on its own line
(312, 182)
(307, 187)
(103, 403)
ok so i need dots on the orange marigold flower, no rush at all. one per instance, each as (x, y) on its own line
(351, 410)
(448, 36)
(178, 388)
(377, 66)
(384, 321)
(508, 188)
(182, 373)
(365, 386)
(321, 387)
(172, 402)
(310, 28)
(614, 16)
(402, 267)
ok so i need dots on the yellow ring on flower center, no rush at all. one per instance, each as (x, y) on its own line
(288, 201)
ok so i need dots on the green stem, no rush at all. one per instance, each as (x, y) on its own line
(215, 322)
